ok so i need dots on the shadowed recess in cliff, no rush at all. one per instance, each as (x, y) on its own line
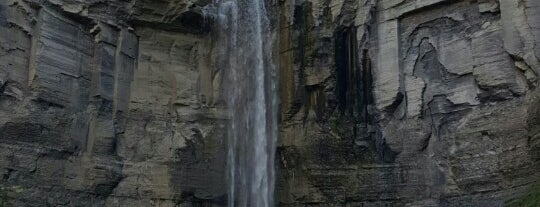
(244, 57)
(354, 83)
(345, 58)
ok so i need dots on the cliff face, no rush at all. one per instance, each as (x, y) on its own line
(389, 102)
(408, 102)
(108, 103)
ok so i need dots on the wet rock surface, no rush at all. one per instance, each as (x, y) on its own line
(387, 102)
(108, 103)
(425, 103)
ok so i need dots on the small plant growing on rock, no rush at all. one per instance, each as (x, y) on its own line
(532, 199)
(6, 190)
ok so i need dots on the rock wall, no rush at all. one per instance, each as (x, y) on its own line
(383, 103)
(408, 102)
(108, 103)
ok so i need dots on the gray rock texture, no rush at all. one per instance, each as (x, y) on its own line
(108, 103)
(416, 103)
(382, 103)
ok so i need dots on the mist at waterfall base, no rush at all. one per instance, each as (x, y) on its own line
(243, 38)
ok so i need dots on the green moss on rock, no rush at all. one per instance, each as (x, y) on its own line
(532, 199)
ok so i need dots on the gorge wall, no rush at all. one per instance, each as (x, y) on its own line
(382, 103)
(108, 103)
(408, 103)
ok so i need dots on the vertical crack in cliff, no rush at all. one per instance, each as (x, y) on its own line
(345, 53)
(3, 87)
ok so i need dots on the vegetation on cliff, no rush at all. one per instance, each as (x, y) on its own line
(532, 199)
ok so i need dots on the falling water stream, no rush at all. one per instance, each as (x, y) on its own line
(244, 55)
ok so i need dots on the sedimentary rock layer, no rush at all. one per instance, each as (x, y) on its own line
(382, 102)
(407, 102)
(108, 103)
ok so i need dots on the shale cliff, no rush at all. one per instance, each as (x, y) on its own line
(382, 103)
(408, 102)
(108, 103)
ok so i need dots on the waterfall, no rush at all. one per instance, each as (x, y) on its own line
(244, 43)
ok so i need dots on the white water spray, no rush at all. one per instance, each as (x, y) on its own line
(244, 55)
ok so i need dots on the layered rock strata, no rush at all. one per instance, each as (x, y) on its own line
(408, 102)
(108, 103)
(388, 102)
